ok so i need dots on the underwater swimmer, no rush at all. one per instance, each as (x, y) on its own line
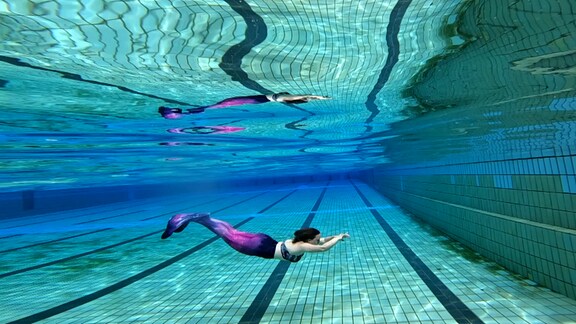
(284, 97)
(258, 244)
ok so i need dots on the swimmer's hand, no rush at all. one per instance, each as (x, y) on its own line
(344, 235)
(289, 97)
(313, 97)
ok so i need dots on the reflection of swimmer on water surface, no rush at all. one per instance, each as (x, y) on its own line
(185, 143)
(206, 130)
(283, 97)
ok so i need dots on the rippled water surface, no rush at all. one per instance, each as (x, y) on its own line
(410, 80)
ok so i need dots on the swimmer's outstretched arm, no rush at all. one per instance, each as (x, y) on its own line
(288, 97)
(328, 238)
(325, 244)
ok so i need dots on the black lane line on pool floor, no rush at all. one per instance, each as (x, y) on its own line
(70, 214)
(121, 284)
(55, 219)
(194, 206)
(56, 240)
(10, 236)
(99, 230)
(76, 256)
(108, 217)
(453, 304)
(213, 212)
(79, 213)
(260, 304)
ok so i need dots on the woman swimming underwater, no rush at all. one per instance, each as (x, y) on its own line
(284, 97)
(258, 244)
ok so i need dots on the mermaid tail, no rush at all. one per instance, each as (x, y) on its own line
(174, 113)
(179, 222)
(257, 244)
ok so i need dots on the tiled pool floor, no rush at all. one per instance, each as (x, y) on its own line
(107, 264)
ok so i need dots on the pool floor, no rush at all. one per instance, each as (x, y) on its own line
(107, 264)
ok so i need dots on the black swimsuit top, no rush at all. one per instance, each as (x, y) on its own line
(287, 255)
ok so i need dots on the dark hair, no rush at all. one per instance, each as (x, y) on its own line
(305, 235)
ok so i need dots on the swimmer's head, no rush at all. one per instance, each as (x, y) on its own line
(170, 113)
(306, 235)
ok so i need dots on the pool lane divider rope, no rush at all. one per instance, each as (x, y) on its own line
(453, 304)
(123, 283)
(260, 304)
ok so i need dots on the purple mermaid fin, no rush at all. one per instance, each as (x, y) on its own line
(179, 222)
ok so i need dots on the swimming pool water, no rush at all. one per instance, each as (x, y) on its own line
(461, 113)
(108, 264)
(83, 82)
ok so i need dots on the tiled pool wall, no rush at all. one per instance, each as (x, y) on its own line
(32, 202)
(494, 165)
(519, 212)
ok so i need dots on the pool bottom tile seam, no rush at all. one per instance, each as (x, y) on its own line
(119, 285)
(459, 311)
(260, 304)
(123, 283)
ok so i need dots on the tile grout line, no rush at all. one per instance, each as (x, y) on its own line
(121, 284)
(261, 302)
(453, 304)
(76, 256)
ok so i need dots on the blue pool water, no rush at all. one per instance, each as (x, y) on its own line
(447, 150)
(108, 264)
(93, 76)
